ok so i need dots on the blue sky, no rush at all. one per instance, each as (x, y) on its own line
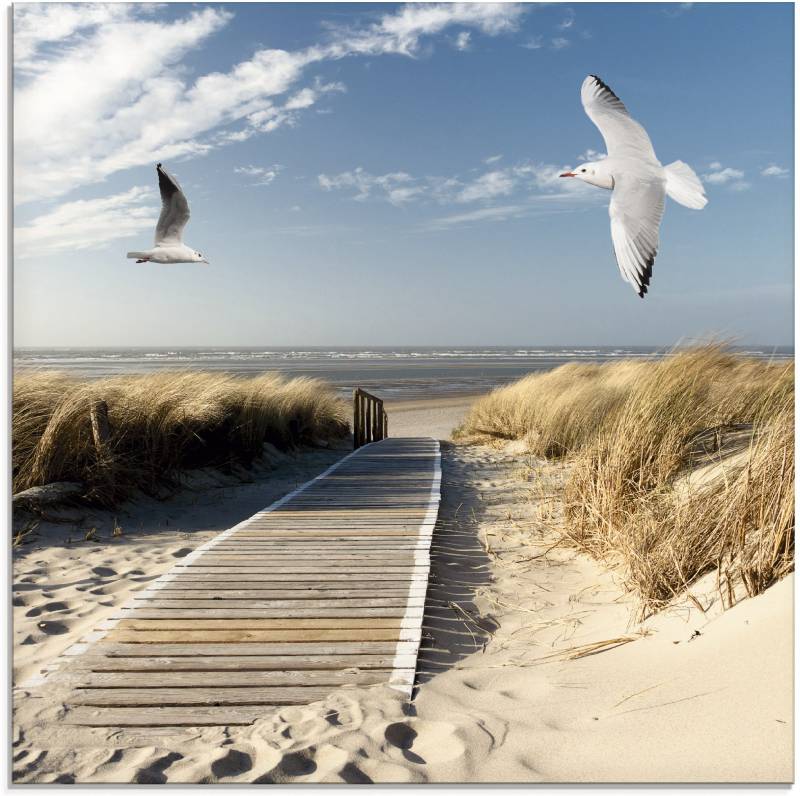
(385, 174)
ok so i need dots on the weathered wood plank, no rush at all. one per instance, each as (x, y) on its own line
(346, 612)
(242, 636)
(110, 649)
(162, 717)
(245, 663)
(236, 678)
(258, 624)
(174, 697)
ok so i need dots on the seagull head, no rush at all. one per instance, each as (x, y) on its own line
(594, 173)
(198, 258)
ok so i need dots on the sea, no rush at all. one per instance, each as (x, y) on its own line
(393, 373)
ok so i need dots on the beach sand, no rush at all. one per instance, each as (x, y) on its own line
(533, 668)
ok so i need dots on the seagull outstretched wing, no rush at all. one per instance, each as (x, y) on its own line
(174, 209)
(624, 136)
(637, 205)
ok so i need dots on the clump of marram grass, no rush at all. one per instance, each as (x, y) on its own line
(633, 432)
(159, 425)
(556, 412)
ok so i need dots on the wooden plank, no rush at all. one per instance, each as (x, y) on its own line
(400, 601)
(291, 596)
(235, 678)
(218, 579)
(258, 624)
(113, 649)
(243, 663)
(346, 612)
(162, 717)
(174, 697)
(244, 636)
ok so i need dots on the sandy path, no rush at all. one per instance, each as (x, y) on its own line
(436, 417)
(499, 698)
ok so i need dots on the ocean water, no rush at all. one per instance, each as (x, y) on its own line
(393, 373)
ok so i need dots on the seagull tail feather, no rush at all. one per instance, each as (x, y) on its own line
(684, 186)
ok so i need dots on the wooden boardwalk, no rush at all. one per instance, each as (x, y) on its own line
(325, 587)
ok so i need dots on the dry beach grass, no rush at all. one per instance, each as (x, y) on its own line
(677, 467)
(159, 424)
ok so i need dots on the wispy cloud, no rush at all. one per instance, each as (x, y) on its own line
(559, 43)
(526, 181)
(261, 175)
(676, 9)
(113, 111)
(592, 154)
(534, 43)
(774, 170)
(568, 21)
(462, 41)
(87, 224)
(725, 175)
(492, 159)
(397, 187)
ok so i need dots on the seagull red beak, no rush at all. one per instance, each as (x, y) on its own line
(567, 174)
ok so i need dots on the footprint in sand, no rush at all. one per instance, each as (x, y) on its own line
(234, 763)
(154, 773)
(52, 628)
(104, 572)
(184, 551)
(353, 775)
(294, 764)
(425, 741)
(57, 606)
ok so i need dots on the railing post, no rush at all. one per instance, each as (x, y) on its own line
(356, 443)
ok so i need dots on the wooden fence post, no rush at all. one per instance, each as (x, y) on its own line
(356, 441)
(100, 431)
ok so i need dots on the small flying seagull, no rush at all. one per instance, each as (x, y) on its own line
(174, 216)
(637, 178)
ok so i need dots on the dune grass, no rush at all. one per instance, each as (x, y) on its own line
(633, 432)
(160, 424)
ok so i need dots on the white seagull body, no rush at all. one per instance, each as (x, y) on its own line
(638, 180)
(174, 216)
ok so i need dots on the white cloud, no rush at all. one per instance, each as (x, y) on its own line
(261, 175)
(722, 176)
(110, 82)
(535, 43)
(492, 159)
(37, 24)
(774, 170)
(715, 165)
(463, 40)
(591, 155)
(397, 186)
(487, 186)
(559, 43)
(525, 180)
(568, 21)
(87, 223)
(498, 213)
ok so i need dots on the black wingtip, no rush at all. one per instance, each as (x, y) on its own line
(158, 165)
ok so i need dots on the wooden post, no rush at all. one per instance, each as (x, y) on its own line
(355, 419)
(378, 420)
(100, 430)
(385, 425)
